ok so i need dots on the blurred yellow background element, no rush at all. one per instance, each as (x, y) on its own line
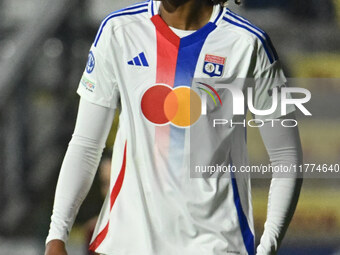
(337, 9)
(315, 65)
(317, 214)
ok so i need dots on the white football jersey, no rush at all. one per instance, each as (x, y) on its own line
(155, 206)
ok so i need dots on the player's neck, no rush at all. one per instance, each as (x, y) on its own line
(186, 15)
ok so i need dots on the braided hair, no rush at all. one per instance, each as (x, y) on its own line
(223, 2)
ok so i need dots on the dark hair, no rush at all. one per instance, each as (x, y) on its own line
(222, 2)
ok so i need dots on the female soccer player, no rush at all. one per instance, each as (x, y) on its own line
(144, 58)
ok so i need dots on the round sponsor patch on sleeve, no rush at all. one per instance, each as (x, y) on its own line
(90, 63)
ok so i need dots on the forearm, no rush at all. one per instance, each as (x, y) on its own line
(282, 201)
(79, 166)
(284, 149)
(75, 179)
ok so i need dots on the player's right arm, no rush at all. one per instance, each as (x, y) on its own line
(78, 170)
(99, 99)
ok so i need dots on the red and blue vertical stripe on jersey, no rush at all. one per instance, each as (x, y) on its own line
(176, 64)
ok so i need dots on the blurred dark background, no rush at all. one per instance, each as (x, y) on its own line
(43, 51)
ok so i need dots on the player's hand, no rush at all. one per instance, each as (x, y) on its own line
(55, 247)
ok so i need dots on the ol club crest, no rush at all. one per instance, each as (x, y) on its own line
(213, 65)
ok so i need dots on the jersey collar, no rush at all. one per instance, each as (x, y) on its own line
(200, 34)
(216, 17)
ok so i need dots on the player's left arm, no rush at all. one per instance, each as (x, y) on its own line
(284, 149)
(282, 143)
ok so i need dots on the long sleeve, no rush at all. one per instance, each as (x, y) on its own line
(79, 166)
(284, 148)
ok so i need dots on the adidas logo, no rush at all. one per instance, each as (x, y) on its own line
(140, 60)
